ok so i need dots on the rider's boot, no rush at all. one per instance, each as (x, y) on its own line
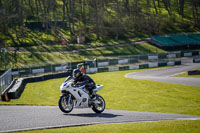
(93, 97)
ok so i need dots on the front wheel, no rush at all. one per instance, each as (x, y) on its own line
(66, 103)
(99, 104)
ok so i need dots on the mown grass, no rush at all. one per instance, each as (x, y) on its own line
(123, 94)
(55, 54)
(186, 75)
(141, 127)
(144, 48)
(58, 47)
(26, 60)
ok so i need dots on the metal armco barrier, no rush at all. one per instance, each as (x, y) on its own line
(5, 80)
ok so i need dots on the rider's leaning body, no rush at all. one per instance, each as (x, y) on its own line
(83, 79)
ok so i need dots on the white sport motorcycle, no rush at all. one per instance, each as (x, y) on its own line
(74, 96)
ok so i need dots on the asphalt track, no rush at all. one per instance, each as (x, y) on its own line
(166, 74)
(22, 118)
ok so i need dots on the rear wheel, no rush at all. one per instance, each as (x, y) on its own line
(99, 105)
(65, 103)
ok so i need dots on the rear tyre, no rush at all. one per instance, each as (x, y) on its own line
(65, 104)
(99, 104)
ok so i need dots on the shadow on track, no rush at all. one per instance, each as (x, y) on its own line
(102, 115)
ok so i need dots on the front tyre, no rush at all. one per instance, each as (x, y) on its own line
(99, 104)
(66, 103)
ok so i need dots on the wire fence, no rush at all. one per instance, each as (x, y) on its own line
(5, 80)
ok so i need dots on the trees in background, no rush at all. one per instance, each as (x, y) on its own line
(102, 18)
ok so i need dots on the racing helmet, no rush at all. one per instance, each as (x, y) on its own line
(77, 73)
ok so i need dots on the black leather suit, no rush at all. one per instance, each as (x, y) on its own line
(87, 81)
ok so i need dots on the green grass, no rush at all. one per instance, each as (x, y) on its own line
(29, 59)
(144, 48)
(32, 37)
(123, 93)
(186, 75)
(44, 53)
(136, 49)
(141, 127)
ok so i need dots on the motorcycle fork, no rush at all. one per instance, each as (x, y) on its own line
(69, 98)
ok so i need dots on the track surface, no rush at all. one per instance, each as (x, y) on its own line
(21, 118)
(165, 74)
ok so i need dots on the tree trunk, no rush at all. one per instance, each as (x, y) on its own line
(148, 3)
(84, 13)
(72, 14)
(21, 15)
(136, 7)
(1, 5)
(37, 10)
(63, 9)
(196, 14)
(96, 19)
(45, 14)
(166, 4)
(68, 17)
(127, 7)
(159, 3)
(181, 6)
(31, 7)
(154, 4)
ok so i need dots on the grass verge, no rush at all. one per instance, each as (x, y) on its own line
(123, 93)
(141, 127)
(186, 75)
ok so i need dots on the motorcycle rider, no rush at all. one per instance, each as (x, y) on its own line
(83, 79)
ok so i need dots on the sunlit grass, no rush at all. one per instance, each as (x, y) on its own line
(144, 48)
(123, 94)
(185, 74)
(55, 54)
(141, 127)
